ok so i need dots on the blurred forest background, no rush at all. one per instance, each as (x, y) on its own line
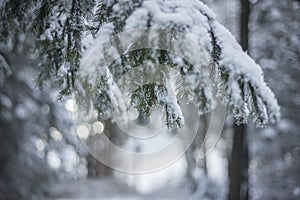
(42, 156)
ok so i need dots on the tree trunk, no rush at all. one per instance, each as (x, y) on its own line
(238, 164)
(193, 161)
(96, 169)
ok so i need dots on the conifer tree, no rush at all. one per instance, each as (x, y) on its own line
(58, 30)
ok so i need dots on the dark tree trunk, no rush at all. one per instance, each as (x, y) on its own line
(96, 169)
(244, 24)
(238, 164)
(206, 120)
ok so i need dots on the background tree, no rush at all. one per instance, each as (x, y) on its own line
(238, 164)
(275, 151)
(272, 27)
(36, 143)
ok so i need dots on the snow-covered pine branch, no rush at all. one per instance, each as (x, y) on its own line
(198, 47)
(238, 78)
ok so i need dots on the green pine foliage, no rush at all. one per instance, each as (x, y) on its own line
(58, 28)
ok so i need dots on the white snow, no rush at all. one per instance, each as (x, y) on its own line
(110, 189)
(194, 23)
(238, 63)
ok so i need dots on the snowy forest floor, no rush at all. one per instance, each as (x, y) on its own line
(111, 189)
